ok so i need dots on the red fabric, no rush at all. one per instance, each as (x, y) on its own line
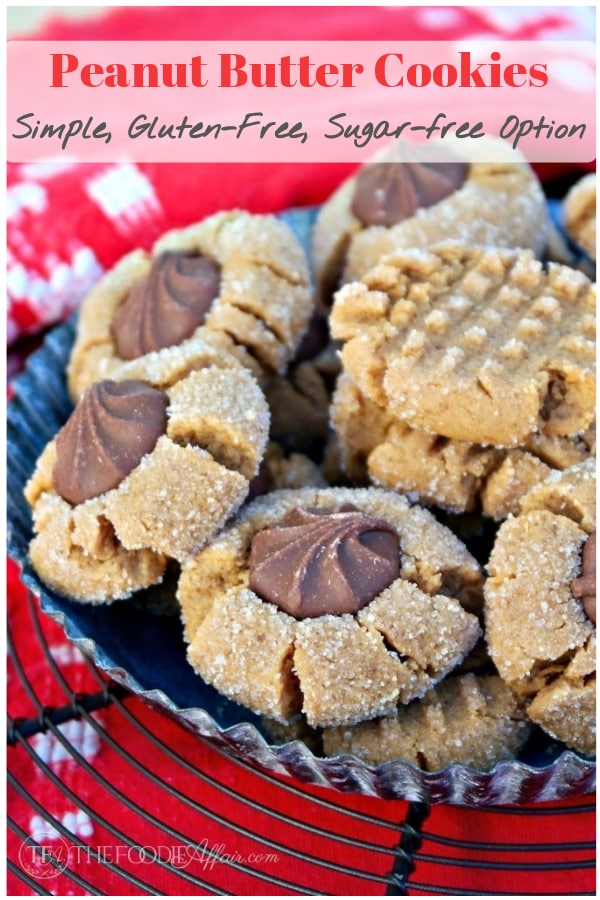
(447, 858)
(323, 23)
(65, 226)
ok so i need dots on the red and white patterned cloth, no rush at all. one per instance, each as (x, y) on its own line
(66, 225)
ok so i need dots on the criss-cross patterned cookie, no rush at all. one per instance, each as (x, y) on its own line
(477, 344)
(487, 194)
(378, 448)
(338, 603)
(234, 284)
(138, 476)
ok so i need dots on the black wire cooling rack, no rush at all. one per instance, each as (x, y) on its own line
(392, 865)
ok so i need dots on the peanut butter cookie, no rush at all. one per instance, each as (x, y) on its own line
(477, 344)
(234, 283)
(336, 603)
(470, 719)
(404, 201)
(377, 448)
(579, 214)
(138, 475)
(540, 605)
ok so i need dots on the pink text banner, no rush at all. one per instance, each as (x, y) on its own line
(179, 101)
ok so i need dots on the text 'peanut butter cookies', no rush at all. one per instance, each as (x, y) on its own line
(473, 343)
(376, 447)
(403, 200)
(234, 284)
(138, 476)
(336, 603)
(540, 605)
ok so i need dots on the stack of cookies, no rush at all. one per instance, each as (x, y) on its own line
(305, 445)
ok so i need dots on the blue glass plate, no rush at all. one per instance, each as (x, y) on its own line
(146, 653)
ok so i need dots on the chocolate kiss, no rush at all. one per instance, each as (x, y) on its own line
(166, 306)
(114, 425)
(388, 193)
(319, 562)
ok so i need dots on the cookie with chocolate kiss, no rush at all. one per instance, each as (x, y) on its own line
(231, 289)
(540, 605)
(584, 586)
(335, 603)
(414, 196)
(139, 476)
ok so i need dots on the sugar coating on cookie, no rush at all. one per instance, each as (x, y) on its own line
(532, 619)
(523, 469)
(238, 282)
(164, 368)
(473, 343)
(376, 447)
(163, 498)
(229, 420)
(339, 667)
(501, 204)
(469, 719)
(566, 707)
(538, 627)
(570, 493)
(80, 556)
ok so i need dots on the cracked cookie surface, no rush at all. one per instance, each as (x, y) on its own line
(336, 668)
(539, 633)
(470, 719)
(375, 447)
(99, 540)
(156, 316)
